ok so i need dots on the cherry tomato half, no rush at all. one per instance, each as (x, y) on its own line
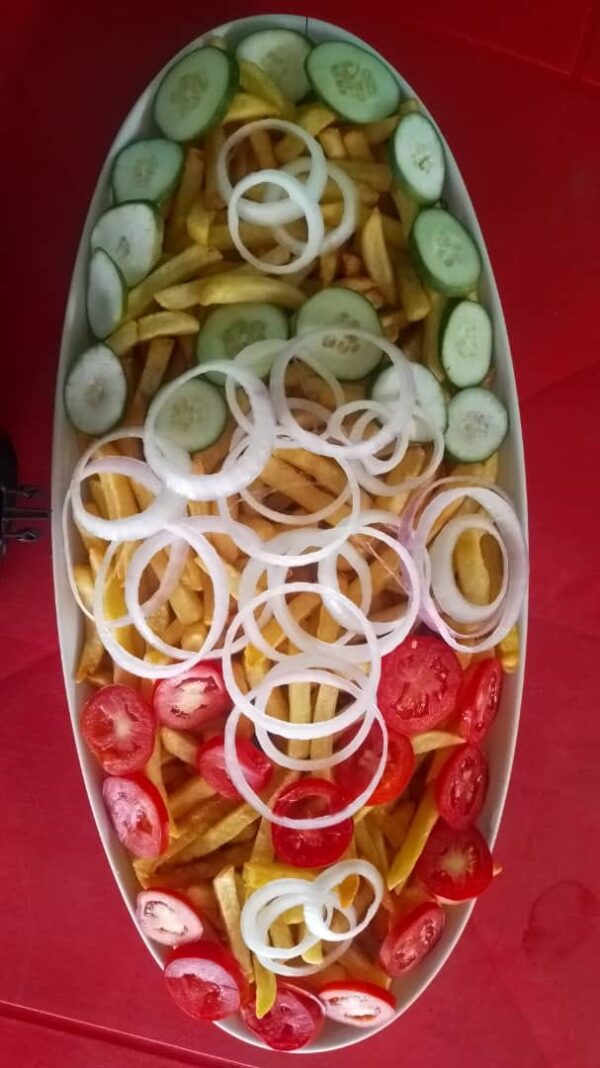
(168, 917)
(354, 774)
(294, 1020)
(461, 786)
(479, 698)
(351, 1001)
(307, 848)
(138, 814)
(192, 699)
(419, 685)
(118, 727)
(256, 767)
(410, 937)
(205, 980)
(455, 865)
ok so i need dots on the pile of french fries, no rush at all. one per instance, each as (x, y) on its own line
(220, 850)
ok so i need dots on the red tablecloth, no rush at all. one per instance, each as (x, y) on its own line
(514, 87)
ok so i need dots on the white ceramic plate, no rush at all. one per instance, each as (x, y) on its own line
(501, 742)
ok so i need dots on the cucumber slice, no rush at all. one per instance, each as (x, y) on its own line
(466, 343)
(352, 81)
(132, 235)
(106, 297)
(260, 356)
(281, 54)
(446, 255)
(349, 358)
(96, 391)
(477, 425)
(195, 93)
(194, 416)
(418, 158)
(430, 398)
(146, 170)
(230, 328)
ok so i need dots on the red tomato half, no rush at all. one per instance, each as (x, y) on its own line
(306, 848)
(168, 917)
(118, 727)
(461, 786)
(138, 814)
(420, 681)
(205, 980)
(192, 699)
(351, 1001)
(293, 1022)
(455, 865)
(410, 938)
(479, 699)
(255, 766)
(354, 774)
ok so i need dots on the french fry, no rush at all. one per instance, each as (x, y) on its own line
(508, 651)
(377, 175)
(286, 479)
(359, 966)
(180, 876)
(186, 604)
(226, 893)
(314, 118)
(192, 827)
(431, 332)
(410, 466)
(155, 366)
(228, 289)
(300, 712)
(327, 696)
(254, 237)
(194, 635)
(376, 256)
(202, 895)
(256, 874)
(364, 842)
(422, 824)
(266, 988)
(92, 653)
(395, 824)
(153, 772)
(246, 108)
(378, 132)
(471, 570)
(332, 143)
(124, 338)
(412, 293)
(357, 145)
(407, 208)
(180, 744)
(167, 323)
(430, 740)
(177, 269)
(440, 757)
(220, 833)
(393, 323)
(199, 222)
(254, 80)
(367, 196)
(189, 795)
(213, 143)
(176, 235)
(352, 265)
(263, 149)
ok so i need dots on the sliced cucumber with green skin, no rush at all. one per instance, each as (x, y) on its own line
(477, 425)
(106, 297)
(429, 394)
(348, 358)
(230, 328)
(352, 81)
(281, 54)
(418, 159)
(260, 356)
(466, 343)
(146, 170)
(132, 235)
(194, 416)
(195, 93)
(445, 254)
(96, 391)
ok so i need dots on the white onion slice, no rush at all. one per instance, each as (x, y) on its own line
(313, 764)
(227, 481)
(323, 886)
(367, 475)
(347, 224)
(297, 194)
(444, 586)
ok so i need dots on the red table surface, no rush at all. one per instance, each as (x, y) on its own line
(514, 86)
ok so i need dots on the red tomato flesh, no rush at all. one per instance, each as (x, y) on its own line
(256, 767)
(455, 865)
(205, 980)
(192, 699)
(311, 848)
(292, 1023)
(354, 774)
(479, 699)
(461, 786)
(419, 685)
(118, 728)
(351, 1001)
(168, 917)
(410, 937)
(138, 814)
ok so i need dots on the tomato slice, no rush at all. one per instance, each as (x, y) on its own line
(295, 1019)
(118, 727)
(138, 814)
(307, 848)
(256, 767)
(205, 980)
(419, 685)
(461, 786)
(410, 937)
(360, 1004)
(455, 865)
(354, 774)
(168, 917)
(479, 699)
(192, 699)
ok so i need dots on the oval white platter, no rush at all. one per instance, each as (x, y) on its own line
(501, 742)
